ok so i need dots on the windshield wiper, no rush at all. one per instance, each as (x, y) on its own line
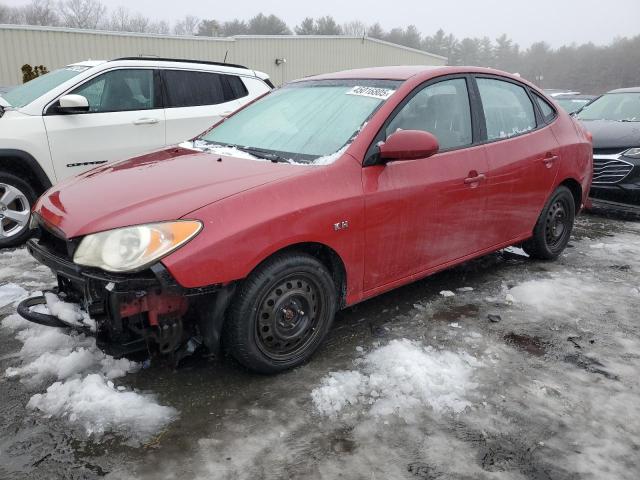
(260, 153)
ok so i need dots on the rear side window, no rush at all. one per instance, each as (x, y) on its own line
(119, 91)
(441, 109)
(508, 111)
(548, 113)
(192, 89)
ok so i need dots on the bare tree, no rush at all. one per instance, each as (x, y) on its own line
(11, 15)
(123, 21)
(354, 28)
(82, 13)
(162, 27)
(41, 12)
(187, 26)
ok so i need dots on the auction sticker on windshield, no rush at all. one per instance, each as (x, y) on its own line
(381, 93)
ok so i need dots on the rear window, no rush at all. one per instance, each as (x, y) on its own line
(191, 89)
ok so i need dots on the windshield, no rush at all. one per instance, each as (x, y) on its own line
(620, 107)
(25, 94)
(571, 105)
(306, 121)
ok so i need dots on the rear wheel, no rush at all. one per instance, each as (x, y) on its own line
(281, 314)
(16, 199)
(553, 228)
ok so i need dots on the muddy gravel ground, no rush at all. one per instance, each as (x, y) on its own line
(502, 368)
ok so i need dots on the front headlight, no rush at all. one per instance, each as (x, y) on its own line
(632, 153)
(134, 248)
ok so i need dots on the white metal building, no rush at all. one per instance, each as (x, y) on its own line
(284, 57)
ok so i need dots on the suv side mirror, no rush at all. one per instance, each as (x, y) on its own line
(70, 104)
(409, 145)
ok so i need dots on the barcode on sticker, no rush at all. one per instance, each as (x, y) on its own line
(374, 92)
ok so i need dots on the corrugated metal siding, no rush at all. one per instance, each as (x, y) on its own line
(56, 47)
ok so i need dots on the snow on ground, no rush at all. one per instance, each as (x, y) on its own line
(399, 378)
(73, 377)
(10, 293)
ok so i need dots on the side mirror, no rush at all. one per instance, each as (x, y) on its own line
(70, 104)
(409, 145)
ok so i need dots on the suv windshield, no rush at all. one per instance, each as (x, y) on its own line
(25, 94)
(304, 122)
(620, 107)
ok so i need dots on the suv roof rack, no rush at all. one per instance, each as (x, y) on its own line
(184, 60)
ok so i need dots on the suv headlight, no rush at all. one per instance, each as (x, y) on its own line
(632, 153)
(134, 248)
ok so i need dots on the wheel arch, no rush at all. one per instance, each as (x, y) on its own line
(23, 164)
(576, 191)
(325, 255)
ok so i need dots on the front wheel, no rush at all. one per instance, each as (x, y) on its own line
(16, 199)
(281, 314)
(553, 228)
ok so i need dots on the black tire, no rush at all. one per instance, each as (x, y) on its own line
(13, 234)
(281, 313)
(553, 228)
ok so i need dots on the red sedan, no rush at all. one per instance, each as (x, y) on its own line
(321, 194)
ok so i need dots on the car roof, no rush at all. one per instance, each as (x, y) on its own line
(626, 90)
(404, 72)
(87, 63)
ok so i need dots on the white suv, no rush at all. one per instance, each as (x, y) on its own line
(93, 112)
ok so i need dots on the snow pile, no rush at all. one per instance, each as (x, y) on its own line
(99, 407)
(70, 313)
(10, 293)
(400, 378)
(560, 295)
(83, 392)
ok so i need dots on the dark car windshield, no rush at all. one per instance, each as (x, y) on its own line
(620, 107)
(25, 94)
(571, 105)
(306, 121)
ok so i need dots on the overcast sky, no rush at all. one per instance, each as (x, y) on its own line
(558, 22)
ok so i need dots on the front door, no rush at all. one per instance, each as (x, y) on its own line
(124, 120)
(424, 213)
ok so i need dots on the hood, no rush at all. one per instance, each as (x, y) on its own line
(164, 185)
(611, 134)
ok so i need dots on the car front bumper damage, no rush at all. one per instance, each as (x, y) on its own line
(139, 312)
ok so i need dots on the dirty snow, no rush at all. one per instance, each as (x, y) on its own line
(10, 293)
(447, 293)
(95, 404)
(81, 373)
(400, 378)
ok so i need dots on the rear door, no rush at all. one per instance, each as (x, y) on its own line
(125, 119)
(426, 212)
(195, 100)
(523, 156)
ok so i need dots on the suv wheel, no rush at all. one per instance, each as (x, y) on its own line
(16, 199)
(281, 314)
(553, 229)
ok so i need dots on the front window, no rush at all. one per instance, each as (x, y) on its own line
(25, 94)
(304, 122)
(572, 105)
(618, 107)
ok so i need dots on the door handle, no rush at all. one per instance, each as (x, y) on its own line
(146, 121)
(475, 179)
(549, 159)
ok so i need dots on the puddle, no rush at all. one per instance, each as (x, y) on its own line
(456, 312)
(532, 345)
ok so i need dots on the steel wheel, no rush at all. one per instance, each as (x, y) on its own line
(553, 228)
(14, 211)
(288, 316)
(557, 224)
(281, 313)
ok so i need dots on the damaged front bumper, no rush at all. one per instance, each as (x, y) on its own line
(140, 312)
